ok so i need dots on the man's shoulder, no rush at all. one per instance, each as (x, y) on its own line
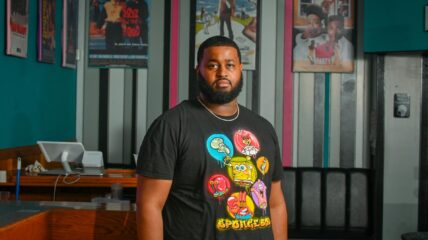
(250, 114)
(345, 41)
(180, 110)
(258, 123)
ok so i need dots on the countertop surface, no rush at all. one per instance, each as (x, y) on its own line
(13, 211)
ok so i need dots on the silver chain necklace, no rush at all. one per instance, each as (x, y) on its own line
(215, 115)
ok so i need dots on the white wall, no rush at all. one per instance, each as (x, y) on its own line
(403, 74)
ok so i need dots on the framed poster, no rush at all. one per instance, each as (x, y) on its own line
(46, 31)
(323, 36)
(69, 33)
(17, 27)
(236, 19)
(118, 33)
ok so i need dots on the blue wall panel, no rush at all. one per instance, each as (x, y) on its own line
(394, 25)
(37, 100)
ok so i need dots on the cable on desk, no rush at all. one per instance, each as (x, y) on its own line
(65, 182)
(71, 182)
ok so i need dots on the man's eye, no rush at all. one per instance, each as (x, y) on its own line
(212, 66)
(230, 66)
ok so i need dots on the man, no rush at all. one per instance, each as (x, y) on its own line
(312, 35)
(337, 50)
(209, 168)
(227, 10)
(344, 50)
(110, 19)
(328, 6)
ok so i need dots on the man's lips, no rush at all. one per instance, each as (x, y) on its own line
(222, 83)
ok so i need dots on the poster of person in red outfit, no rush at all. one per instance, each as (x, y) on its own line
(118, 33)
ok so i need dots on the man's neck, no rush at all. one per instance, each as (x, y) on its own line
(226, 109)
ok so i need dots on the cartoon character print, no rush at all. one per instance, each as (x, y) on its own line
(240, 206)
(243, 170)
(258, 192)
(220, 147)
(263, 165)
(246, 143)
(218, 185)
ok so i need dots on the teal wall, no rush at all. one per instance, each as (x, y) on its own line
(37, 100)
(394, 25)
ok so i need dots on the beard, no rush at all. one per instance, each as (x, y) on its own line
(218, 96)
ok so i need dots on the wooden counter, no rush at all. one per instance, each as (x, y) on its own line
(41, 187)
(122, 176)
(66, 220)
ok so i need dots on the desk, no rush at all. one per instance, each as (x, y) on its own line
(66, 220)
(41, 188)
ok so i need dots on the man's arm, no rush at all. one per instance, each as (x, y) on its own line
(278, 212)
(151, 197)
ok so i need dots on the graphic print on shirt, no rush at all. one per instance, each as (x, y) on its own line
(258, 192)
(240, 206)
(242, 171)
(246, 143)
(220, 147)
(240, 189)
(262, 165)
(218, 185)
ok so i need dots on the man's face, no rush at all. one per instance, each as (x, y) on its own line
(333, 30)
(219, 74)
(314, 25)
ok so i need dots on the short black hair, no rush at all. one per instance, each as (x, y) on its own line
(316, 10)
(338, 18)
(217, 41)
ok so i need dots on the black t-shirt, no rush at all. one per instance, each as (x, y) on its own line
(221, 170)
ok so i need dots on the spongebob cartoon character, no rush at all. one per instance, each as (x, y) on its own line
(242, 171)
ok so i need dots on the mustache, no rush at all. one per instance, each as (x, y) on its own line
(222, 78)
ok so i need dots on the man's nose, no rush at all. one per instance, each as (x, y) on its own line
(221, 71)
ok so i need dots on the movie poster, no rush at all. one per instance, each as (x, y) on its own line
(17, 28)
(46, 31)
(323, 36)
(235, 19)
(118, 33)
(69, 33)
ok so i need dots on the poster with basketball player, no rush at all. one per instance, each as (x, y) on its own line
(17, 28)
(323, 36)
(235, 19)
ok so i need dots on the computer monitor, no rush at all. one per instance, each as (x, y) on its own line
(64, 152)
